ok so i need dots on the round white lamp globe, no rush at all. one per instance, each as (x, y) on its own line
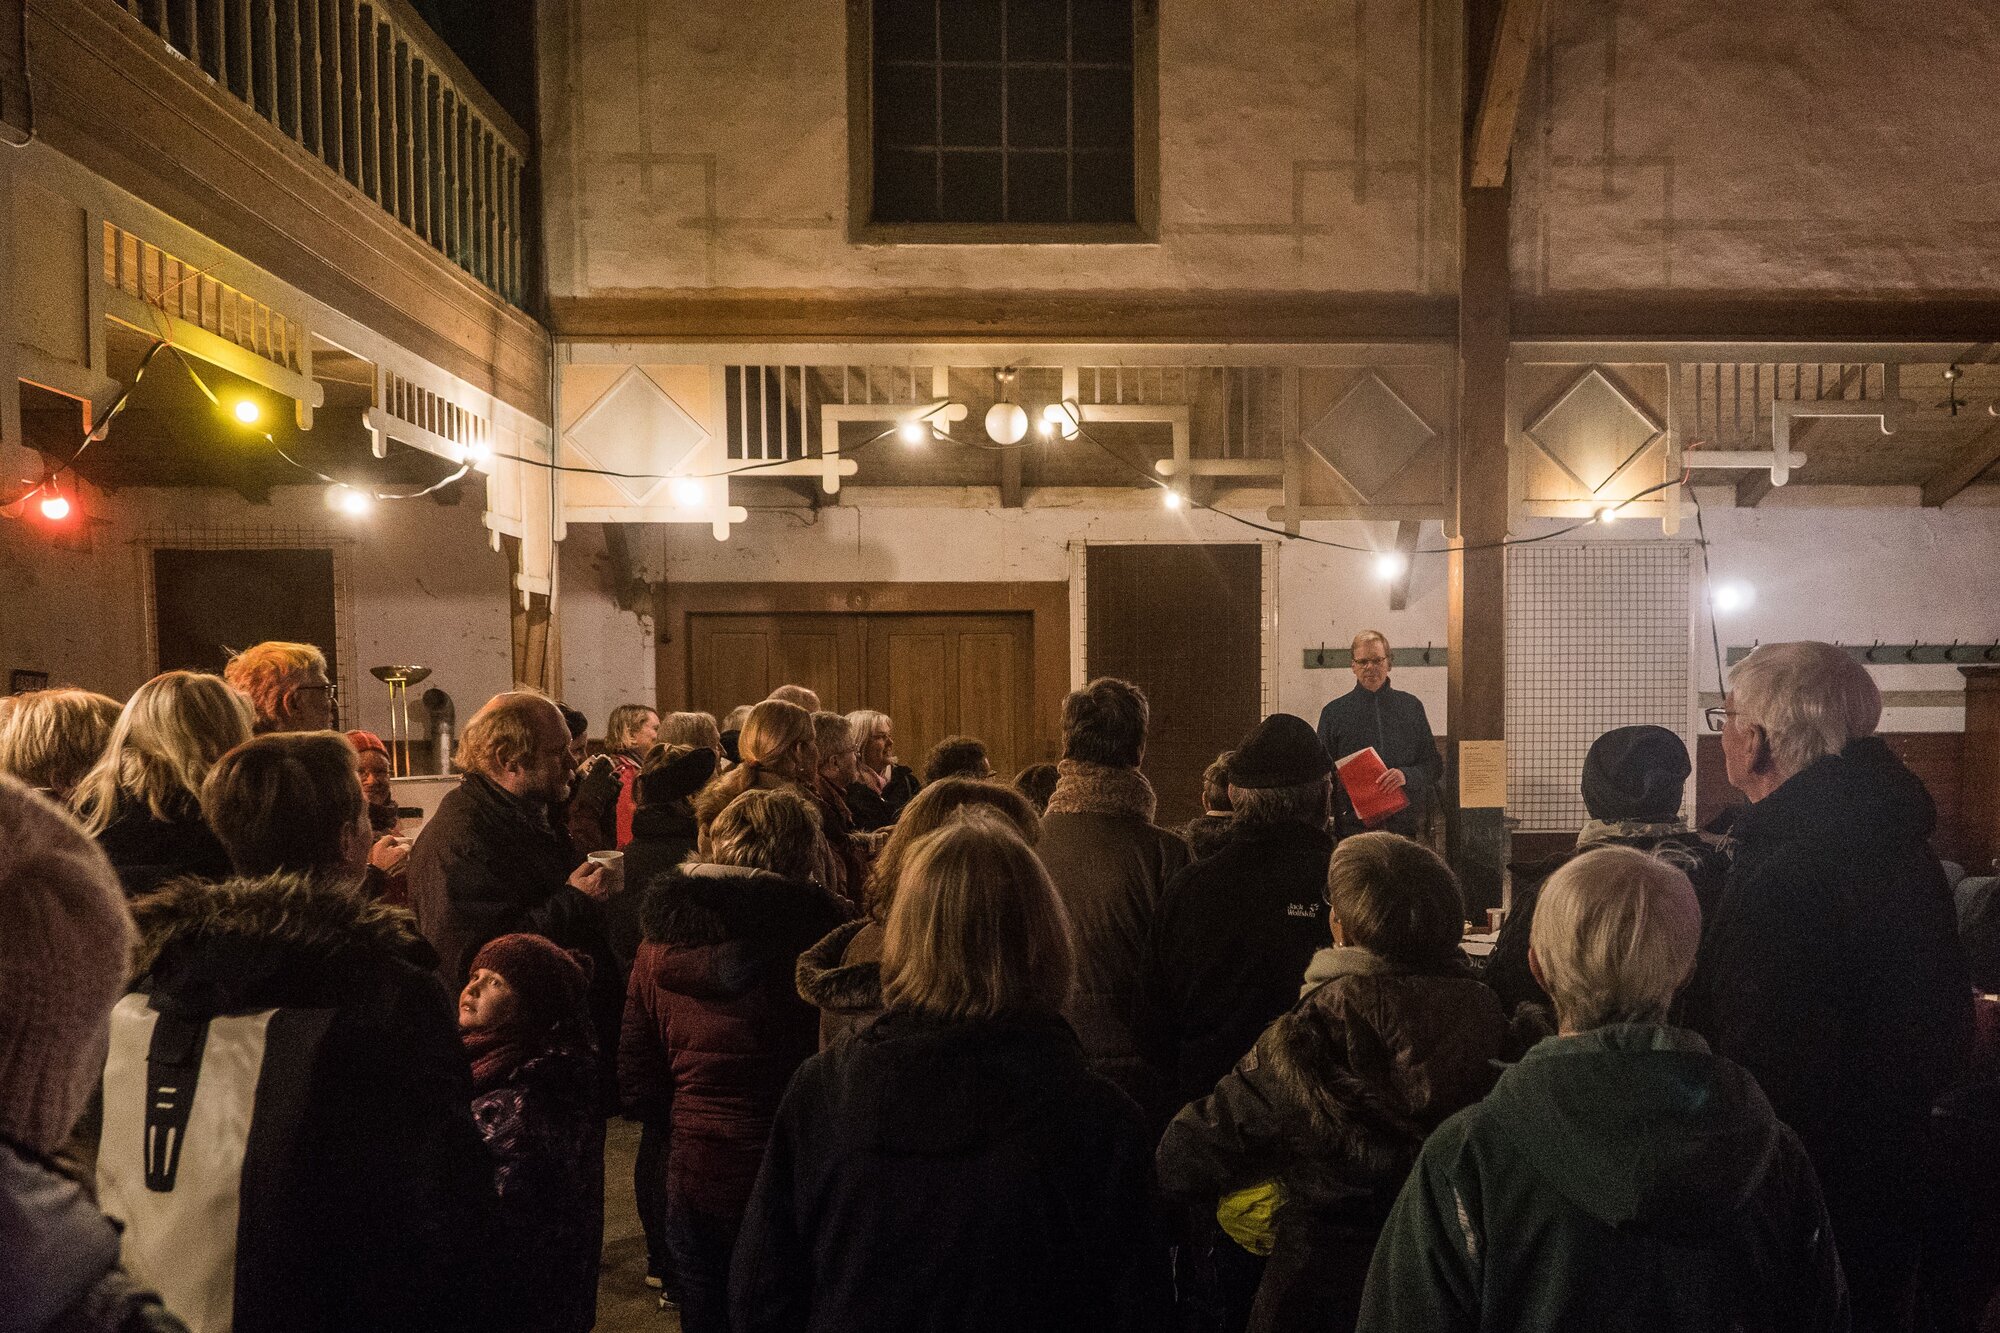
(1006, 423)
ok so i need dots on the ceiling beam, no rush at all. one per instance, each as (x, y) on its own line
(1970, 465)
(1500, 100)
(1751, 488)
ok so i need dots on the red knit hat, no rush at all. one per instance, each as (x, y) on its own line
(549, 981)
(366, 740)
(65, 943)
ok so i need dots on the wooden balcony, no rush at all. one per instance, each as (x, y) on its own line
(336, 144)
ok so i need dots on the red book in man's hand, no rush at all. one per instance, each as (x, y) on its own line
(1359, 774)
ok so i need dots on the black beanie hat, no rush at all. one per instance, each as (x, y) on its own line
(1280, 751)
(1635, 773)
(678, 778)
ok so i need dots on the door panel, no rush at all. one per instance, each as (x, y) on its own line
(935, 675)
(740, 659)
(1184, 624)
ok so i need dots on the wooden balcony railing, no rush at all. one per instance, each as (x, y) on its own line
(369, 89)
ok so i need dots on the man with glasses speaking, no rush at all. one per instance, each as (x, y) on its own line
(1376, 713)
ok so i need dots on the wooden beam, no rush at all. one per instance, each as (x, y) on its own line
(1500, 98)
(948, 315)
(1969, 466)
(1619, 316)
(1406, 542)
(1010, 479)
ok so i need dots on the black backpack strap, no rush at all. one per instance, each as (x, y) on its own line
(173, 1066)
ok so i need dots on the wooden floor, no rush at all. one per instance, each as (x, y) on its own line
(625, 1304)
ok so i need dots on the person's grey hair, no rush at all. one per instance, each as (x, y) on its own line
(865, 721)
(1615, 934)
(1810, 698)
(804, 697)
(832, 732)
(734, 719)
(696, 729)
(1262, 807)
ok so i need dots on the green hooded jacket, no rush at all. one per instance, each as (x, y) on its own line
(1623, 1178)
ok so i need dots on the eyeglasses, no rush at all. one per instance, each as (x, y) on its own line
(332, 690)
(1718, 716)
(1371, 661)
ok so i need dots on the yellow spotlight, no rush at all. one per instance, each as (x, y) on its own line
(247, 411)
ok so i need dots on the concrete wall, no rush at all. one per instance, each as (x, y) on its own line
(706, 146)
(421, 586)
(1828, 146)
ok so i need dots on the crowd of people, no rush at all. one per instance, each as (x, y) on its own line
(953, 1052)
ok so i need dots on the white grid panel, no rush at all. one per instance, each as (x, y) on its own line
(1597, 638)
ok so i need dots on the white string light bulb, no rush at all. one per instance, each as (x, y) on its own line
(913, 431)
(1173, 498)
(1389, 565)
(688, 492)
(247, 411)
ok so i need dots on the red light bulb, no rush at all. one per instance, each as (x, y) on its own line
(55, 508)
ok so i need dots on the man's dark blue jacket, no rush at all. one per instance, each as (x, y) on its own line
(1396, 725)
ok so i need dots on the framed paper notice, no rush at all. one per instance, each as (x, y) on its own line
(1482, 775)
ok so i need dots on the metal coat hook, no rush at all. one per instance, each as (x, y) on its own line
(1991, 653)
(1951, 651)
(1869, 656)
(1910, 652)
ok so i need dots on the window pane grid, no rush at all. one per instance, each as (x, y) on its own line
(1024, 164)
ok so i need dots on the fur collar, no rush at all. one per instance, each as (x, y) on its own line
(300, 911)
(701, 904)
(1099, 789)
(826, 980)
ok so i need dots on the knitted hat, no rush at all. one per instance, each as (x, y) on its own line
(1635, 773)
(680, 777)
(1280, 751)
(65, 944)
(364, 741)
(549, 981)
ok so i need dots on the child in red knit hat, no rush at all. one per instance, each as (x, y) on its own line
(527, 1031)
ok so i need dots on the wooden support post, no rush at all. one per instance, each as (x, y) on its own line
(1971, 463)
(1476, 589)
(537, 641)
(1979, 769)
(1406, 541)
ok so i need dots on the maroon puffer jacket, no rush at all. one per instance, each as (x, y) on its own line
(714, 1026)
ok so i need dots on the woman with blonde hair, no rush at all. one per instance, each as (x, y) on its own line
(713, 1028)
(842, 974)
(142, 800)
(779, 753)
(957, 1165)
(50, 738)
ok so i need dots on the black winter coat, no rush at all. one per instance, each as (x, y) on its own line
(1833, 973)
(1229, 949)
(148, 852)
(937, 1177)
(382, 1217)
(1334, 1103)
(872, 809)
(1397, 726)
(663, 836)
(490, 864)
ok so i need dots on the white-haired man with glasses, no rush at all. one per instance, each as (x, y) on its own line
(1832, 969)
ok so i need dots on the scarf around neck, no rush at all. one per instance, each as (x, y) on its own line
(1100, 789)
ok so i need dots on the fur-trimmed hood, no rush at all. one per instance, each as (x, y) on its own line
(828, 981)
(717, 930)
(231, 940)
(1099, 789)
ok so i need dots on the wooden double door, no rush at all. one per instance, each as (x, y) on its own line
(935, 675)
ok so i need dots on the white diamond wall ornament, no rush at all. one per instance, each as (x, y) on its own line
(1593, 431)
(1369, 436)
(636, 428)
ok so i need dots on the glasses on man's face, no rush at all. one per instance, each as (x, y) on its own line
(1718, 716)
(1371, 661)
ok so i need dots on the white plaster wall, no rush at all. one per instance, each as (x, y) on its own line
(1834, 146)
(706, 146)
(607, 651)
(422, 586)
